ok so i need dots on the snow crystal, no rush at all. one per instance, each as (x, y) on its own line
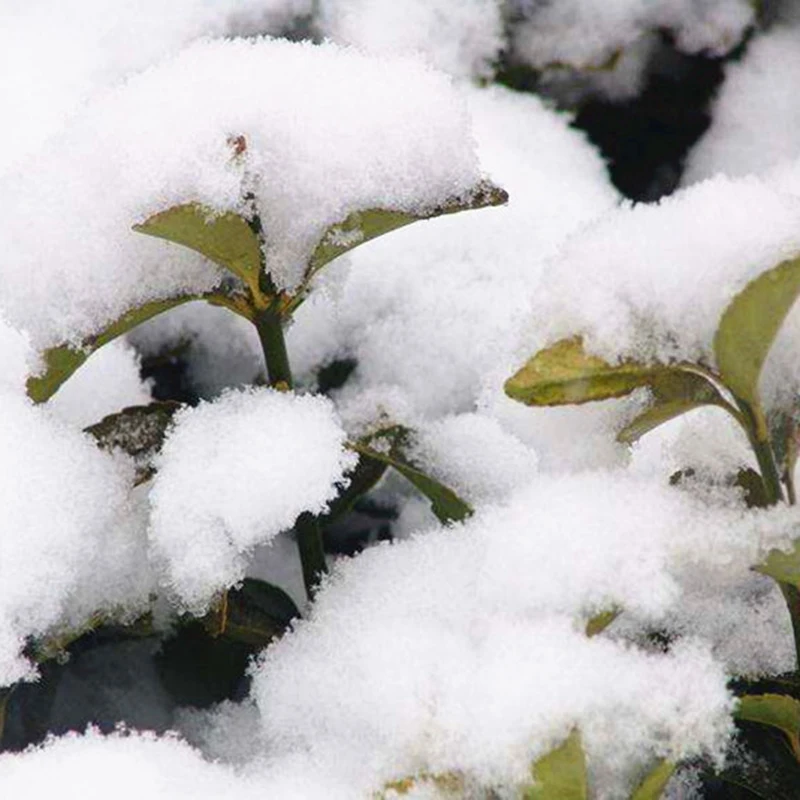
(234, 474)
(347, 132)
(463, 37)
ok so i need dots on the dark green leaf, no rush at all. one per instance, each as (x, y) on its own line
(227, 239)
(259, 611)
(561, 774)
(652, 787)
(749, 326)
(752, 484)
(445, 503)
(366, 474)
(361, 226)
(138, 431)
(61, 362)
(777, 710)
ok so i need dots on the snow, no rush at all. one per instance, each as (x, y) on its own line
(754, 115)
(650, 282)
(607, 48)
(72, 543)
(108, 382)
(462, 37)
(234, 474)
(376, 132)
(460, 649)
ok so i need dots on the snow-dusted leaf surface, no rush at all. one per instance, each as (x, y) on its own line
(456, 656)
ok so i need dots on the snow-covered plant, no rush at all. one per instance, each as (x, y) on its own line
(566, 374)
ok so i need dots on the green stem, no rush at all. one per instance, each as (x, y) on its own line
(759, 440)
(312, 556)
(269, 325)
(309, 537)
(792, 597)
(5, 693)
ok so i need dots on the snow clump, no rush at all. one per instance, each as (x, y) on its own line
(234, 474)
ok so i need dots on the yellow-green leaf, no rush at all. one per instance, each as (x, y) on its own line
(227, 239)
(675, 392)
(599, 622)
(782, 566)
(777, 710)
(61, 362)
(361, 226)
(652, 787)
(750, 324)
(564, 374)
(561, 774)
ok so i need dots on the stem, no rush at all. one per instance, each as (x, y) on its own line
(792, 597)
(759, 439)
(312, 556)
(269, 324)
(5, 693)
(270, 331)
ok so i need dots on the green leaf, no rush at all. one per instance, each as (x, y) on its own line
(366, 474)
(782, 566)
(599, 622)
(227, 239)
(564, 374)
(752, 484)
(777, 710)
(652, 787)
(361, 226)
(254, 613)
(749, 326)
(61, 362)
(675, 391)
(445, 503)
(138, 431)
(561, 774)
